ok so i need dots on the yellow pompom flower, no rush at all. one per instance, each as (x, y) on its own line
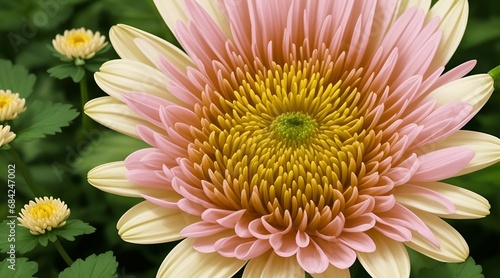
(44, 214)
(6, 136)
(11, 105)
(79, 43)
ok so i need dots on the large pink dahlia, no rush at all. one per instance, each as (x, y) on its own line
(296, 135)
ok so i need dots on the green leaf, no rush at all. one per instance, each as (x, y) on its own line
(43, 240)
(16, 78)
(467, 269)
(69, 231)
(93, 65)
(24, 240)
(67, 70)
(103, 50)
(41, 119)
(21, 269)
(5, 147)
(104, 265)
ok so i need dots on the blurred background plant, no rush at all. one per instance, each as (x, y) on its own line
(60, 163)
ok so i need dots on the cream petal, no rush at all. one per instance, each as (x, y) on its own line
(110, 177)
(405, 5)
(414, 196)
(486, 147)
(474, 89)
(468, 205)
(174, 11)
(134, 44)
(453, 15)
(184, 261)
(272, 265)
(390, 259)
(453, 248)
(147, 223)
(118, 77)
(332, 271)
(116, 115)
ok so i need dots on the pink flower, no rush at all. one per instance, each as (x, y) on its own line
(296, 135)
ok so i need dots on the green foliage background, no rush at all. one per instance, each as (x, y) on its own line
(60, 163)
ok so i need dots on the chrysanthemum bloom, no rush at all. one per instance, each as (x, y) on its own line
(6, 136)
(296, 135)
(79, 43)
(11, 105)
(44, 214)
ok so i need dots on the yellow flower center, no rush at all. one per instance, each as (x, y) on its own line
(42, 211)
(290, 138)
(78, 39)
(5, 101)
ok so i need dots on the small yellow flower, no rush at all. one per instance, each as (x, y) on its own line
(44, 214)
(79, 43)
(6, 136)
(11, 105)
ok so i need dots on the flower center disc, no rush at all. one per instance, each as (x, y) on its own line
(78, 39)
(5, 101)
(42, 211)
(285, 140)
(294, 126)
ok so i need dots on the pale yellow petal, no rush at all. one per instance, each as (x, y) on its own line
(184, 261)
(6, 136)
(174, 11)
(118, 77)
(147, 223)
(110, 177)
(408, 4)
(453, 15)
(474, 89)
(453, 248)
(332, 271)
(390, 259)
(124, 39)
(469, 205)
(272, 265)
(406, 196)
(116, 115)
(486, 147)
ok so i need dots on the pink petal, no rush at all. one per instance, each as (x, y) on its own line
(202, 229)
(358, 241)
(442, 164)
(284, 244)
(146, 105)
(241, 248)
(149, 178)
(250, 250)
(225, 218)
(338, 254)
(312, 258)
(171, 203)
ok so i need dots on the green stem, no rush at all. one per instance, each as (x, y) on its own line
(23, 169)
(63, 253)
(84, 98)
(495, 73)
